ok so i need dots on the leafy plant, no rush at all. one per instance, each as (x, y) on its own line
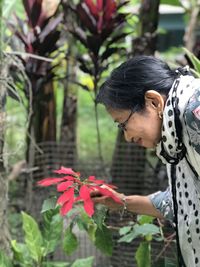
(75, 201)
(4, 260)
(194, 60)
(39, 34)
(145, 229)
(99, 28)
(74, 189)
(39, 243)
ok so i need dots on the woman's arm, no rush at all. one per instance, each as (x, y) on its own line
(146, 205)
(142, 205)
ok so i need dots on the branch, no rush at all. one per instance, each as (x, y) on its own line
(17, 170)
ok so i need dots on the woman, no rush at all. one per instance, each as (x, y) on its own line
(159, 108)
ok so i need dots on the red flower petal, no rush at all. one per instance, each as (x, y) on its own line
(69, 178)
(89, 207)
(49, 181)
(63, 186)
(108, 193)
(84, 192)
(93, 179)
(66, 196)
(67, 206)
(64, 170)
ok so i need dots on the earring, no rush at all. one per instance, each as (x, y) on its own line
(160, 114)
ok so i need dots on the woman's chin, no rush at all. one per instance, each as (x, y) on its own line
(150, 145)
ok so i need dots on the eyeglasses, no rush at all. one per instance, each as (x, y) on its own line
(122, 125)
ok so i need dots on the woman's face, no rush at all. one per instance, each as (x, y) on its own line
(142, 128)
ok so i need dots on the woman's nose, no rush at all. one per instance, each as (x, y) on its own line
(127, 137)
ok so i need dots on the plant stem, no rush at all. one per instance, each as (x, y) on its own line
(97, 125)
(1, 30)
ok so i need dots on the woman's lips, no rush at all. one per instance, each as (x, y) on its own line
(137, 141)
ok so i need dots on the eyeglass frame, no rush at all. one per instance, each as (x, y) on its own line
(122, 125)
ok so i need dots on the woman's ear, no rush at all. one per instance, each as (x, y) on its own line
(154, 100)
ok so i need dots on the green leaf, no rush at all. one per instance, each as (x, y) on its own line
(171, 2)
(165, 262)
(140, 230)
(33, 237)
(55, 264)
(83, 262)
(8, 7)
(103, 240)
(142, 219)
(92, 231)
(49, 204)
(195, 61)
(4, 260)
(81, 224)
(21, 253)
(85, 219)
(147, 229)
(99, 215)
(84, 222)
(143, 255)
(128, 237)
(125, 230)
(52, 230)
(70, 242)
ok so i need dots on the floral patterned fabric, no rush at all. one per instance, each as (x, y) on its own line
(192, 118)
(162, 201)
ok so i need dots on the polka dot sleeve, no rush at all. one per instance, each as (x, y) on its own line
(162, 201)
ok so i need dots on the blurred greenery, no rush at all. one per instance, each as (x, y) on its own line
(87, 139)
(86, 129)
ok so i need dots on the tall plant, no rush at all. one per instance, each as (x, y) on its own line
(39, 34)
(99, 27)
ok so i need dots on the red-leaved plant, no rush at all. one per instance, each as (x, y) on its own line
(74, 189)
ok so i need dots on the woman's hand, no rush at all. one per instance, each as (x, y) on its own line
(97, 197)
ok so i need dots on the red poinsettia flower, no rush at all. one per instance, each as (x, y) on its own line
(74, 190)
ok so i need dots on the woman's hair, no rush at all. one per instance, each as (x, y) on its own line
(128, 83)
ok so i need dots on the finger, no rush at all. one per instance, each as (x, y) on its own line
(101, 199)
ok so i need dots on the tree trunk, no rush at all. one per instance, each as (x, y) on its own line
(69, 115)
(45, 114)
(191, 38)
(146, 42)
(40, 145)
(4, 232)
(129, 160)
